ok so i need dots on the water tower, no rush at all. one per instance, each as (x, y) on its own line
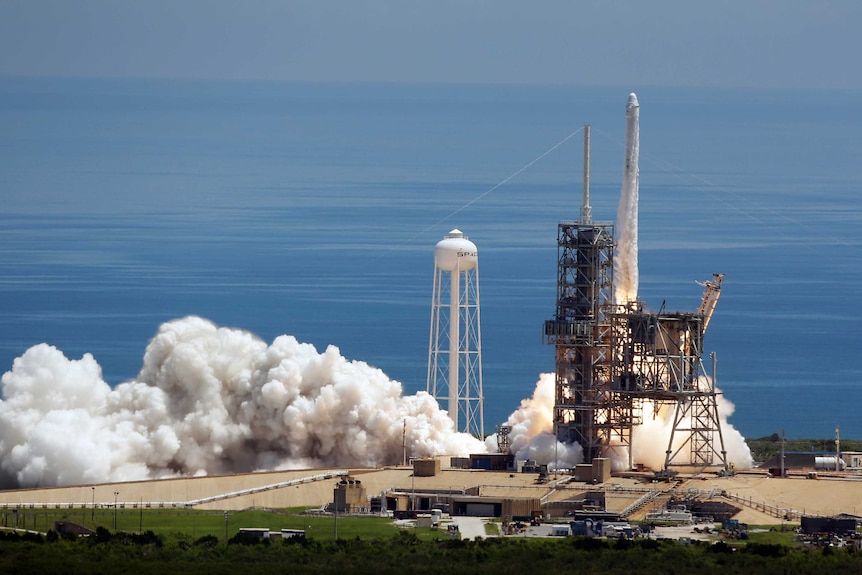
(455, 347)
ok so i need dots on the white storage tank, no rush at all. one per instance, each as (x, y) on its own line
(828, 463)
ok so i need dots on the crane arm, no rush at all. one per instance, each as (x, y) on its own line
(710, 298)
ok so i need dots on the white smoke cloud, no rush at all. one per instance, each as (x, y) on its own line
(650, 439)
(209, 400)
(532, 435)
(218, 400)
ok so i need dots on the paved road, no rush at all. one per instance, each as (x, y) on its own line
(470, 527)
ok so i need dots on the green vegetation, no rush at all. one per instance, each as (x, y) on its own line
(762, 448)
(492, 529)
(201, 523)
(769, 534)
(107, 552)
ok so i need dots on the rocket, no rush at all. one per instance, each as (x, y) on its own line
(626, 259)
(630, 173)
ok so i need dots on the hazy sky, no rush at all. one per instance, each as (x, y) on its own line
(733, 43)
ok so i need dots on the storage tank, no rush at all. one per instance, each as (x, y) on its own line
(827, 463)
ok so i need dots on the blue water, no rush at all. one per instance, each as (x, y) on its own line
(313, 210)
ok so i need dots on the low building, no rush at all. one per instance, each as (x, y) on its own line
(256, 532)
(839, 525)
(426, 467)
(853, 459)
(481, 506)
(492, 461)
(349, 496)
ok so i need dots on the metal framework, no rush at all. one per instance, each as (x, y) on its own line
(584, 409)
(612, 358)
(455, 348)
(657, 358)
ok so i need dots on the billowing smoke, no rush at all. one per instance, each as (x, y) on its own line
(209, 400)
(217, 400)
(532, 435)
(626, 260)
(650, 439)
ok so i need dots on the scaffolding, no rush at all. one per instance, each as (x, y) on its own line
(612, 359)
(658, 358)
(584, 410)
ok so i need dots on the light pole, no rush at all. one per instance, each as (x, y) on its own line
(93, 511)
(115, 509)
(225, 526)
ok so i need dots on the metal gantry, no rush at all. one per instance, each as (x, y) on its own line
(581, 334)
(658, 358)
(612, 358)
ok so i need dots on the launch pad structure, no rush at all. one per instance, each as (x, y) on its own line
(614, 359)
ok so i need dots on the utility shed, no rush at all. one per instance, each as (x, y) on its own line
(601, 469)
(583, 472)
(853, 459)
(426, 467)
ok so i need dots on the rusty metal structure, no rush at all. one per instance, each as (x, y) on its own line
(612, 359)
(581, 333)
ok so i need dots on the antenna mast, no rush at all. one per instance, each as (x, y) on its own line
(586, 210)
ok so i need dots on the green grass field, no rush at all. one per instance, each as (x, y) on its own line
(200, 523)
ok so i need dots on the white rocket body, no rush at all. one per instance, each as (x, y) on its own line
(626, 259)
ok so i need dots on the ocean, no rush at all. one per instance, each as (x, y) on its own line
(313, 210)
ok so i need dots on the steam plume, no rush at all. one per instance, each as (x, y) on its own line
(532, 434)
(209, 400)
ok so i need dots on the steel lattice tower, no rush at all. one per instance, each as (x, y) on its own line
(611, 358)
(581, 335)
(455, 343)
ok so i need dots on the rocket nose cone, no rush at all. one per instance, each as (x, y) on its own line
(633, 101)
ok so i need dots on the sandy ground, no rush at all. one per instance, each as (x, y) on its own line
(799, 495)
(763, 500)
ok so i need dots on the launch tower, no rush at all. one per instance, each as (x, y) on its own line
(613, 358)
(455, 346)
(585, 409)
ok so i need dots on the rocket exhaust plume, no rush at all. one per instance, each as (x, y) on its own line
(209, 400)
(626, 260)
(532, 436)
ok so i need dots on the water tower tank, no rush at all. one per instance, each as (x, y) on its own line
(456, 252)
